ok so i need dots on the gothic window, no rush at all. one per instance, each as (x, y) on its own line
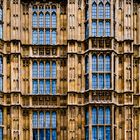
(87, 124)
(94, 28)
(87, 13)
(86, 72)
(1, 123)
(107, 10)
(94, 10)
(101, 81)
(86, 30)
(44, 25)
(94, 81)
(107, 63)
(1, 73)
(1, 22)
(101, 63)
(46, 82)
(101, 129)
(94, 62)
(107, 28)
(101, 10)
(47, 125)
(86, 64)
(101, 28)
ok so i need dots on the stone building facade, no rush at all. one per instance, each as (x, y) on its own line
(69, 70)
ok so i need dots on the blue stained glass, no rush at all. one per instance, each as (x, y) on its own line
(94, 10)
(54, 69)
(108, 81)
(107, 28)
(41, 86)
(53, 37)
(41, 134)
(86, 117)
(94, 115)
(1, 117)
(1, 65)
(34, 37)
(87, 82)
(87, 133)
(101, 29)
(47, 36)
(87, 13)
(53, 134)
(35, 134)
(94, 28)
(101, 63)
(41, 18)
(101, 133)
(41, 37)
(101, 10)
(94, 81)
(34, 20)
(108, 63)
(86, 64)
(53, 20)
(35, 69)
(1, 83)
(94, 133)
(1, 31)
(35, 86)
(47, 86)
(86, 30)
(101, 115)
(41, 69)
(47, 69)
(108, 133)
(48, 134)
(41, 119)
(35, 122)
(107, 10)
(107, 111)
(1, 14)
(47, 119)
(94, 63)
(101, 81)
(53, 87)
(53, 119)
(48, 20)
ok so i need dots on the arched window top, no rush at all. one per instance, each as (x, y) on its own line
(101, 56)
(54, 63)
(41, 63)
(1, 13)
(107, 4)
(101, 4)
(34, 114)
(47, 13)
(34, 8)
(94, 110)
(41, 14)
(41, 7)
(94, 4)
(41, 31)
(53, 8)
(53, 14)
(94, 56)
(0, 59)
(35, 63)
(47, 63)
(108, 110)
(34, 14)
(54, 114)
(108, 56)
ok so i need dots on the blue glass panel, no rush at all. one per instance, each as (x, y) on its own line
(48, 69)
(94, 81)
(48, 20)
(107, 63)
(86, 13)
(35, 134)
(101, 133)
(107, 10)
(48, 134)
(107, 28)
(41, 86)
(1, 83)
(94, 28)
(94, 10)
(108, 81)
(101, 10)
(101, 63)
(86, 117)
(86, 64)
(1, 65)
(53, 134)
(41, 18)
(35, 69)
(1, 14)
(41, 119)
(47, 86)
(94, 115)
(47, 36)
(41, 69)
(1, 117)
(53, 37)
(108, 115)
(53, 87)
(41, 37)
(94, 133)
(53, 20)
(53, 119)
(87, 82)
(108, 133)
(53, 69)
(101, 28)
(87, 133)
(86, 30)
(34, 20)
(34, 37)
(41, 134)
(35, 122)
(94, 63)
(1, 31)
(47, 119)
(35, 86)
(101, 115)
(101, 81)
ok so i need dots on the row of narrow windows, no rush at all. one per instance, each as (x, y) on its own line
(101, 71)
(44, 25)
(1, 73)
(44, 125)
(101, 123)
(44, 77)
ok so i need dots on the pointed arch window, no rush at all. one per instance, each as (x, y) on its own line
(35, 69)
(53, 119)
(94, 10)
(108, 63)
(1, 14)
(101, 81)
(101, 10)
(47, 36)
(35, 86)
(41, 119)
(1, 65)
(53, 87)
(47, 119)
(47, 86)
(101, 63)
(41, 86)
(107, 28)
(108, 81)
(86, 64)
(101, 115)
(34, 19)
(34, 37)
(107, 111)
(41, 19)
(53, 37)
(35, 125)
(94, 62)
(87, 123)
(94, 28)
(101, 28)
(47, 20)
(94, 81)
(54, 69)
(94, 115)
(41, 37)
(53, 20)
(86, 13)
(47, 69)
(107, 10)
(94, 133)
(41, 69)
